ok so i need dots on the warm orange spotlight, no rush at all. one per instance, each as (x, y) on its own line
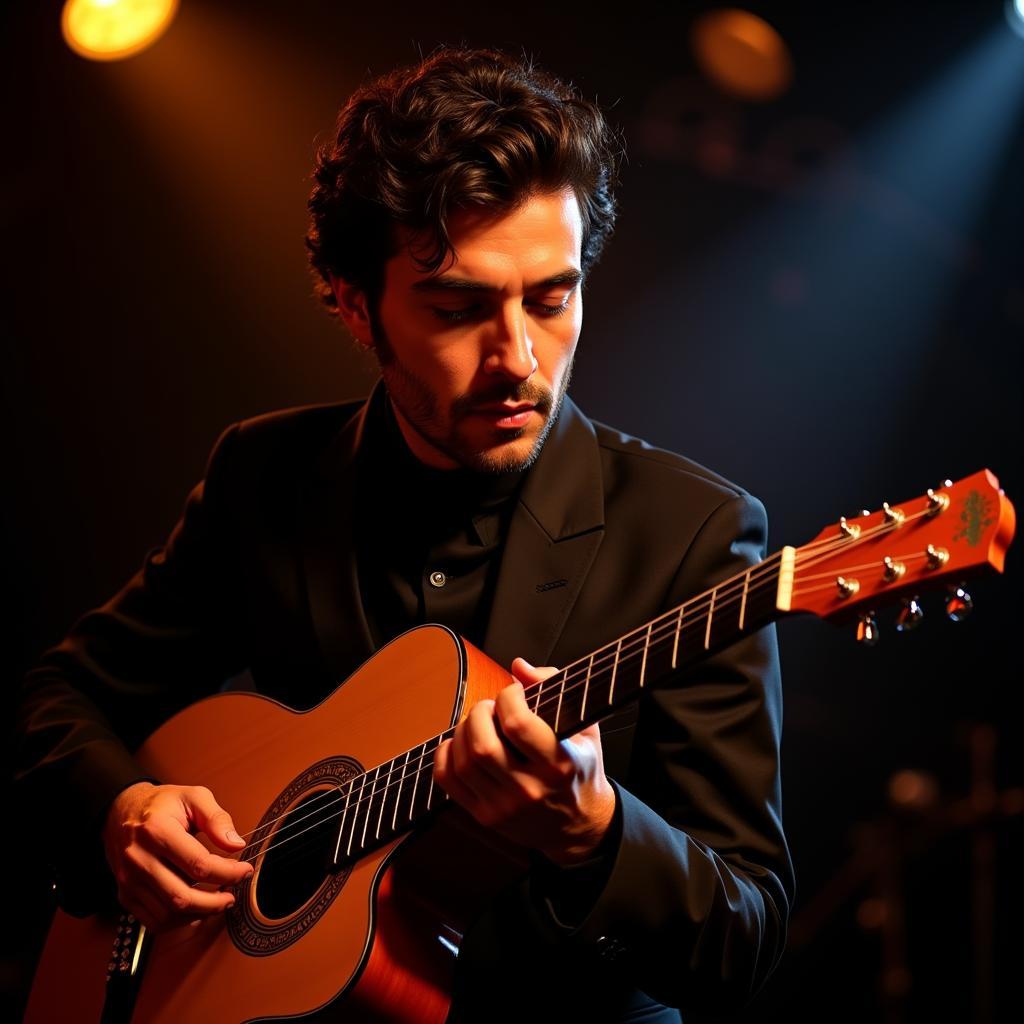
(112, 29)
(743, 54)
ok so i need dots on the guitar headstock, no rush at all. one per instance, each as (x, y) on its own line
(857, 565)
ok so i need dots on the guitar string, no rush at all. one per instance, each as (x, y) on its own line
(817, 549)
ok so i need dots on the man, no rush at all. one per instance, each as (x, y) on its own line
(455, 217)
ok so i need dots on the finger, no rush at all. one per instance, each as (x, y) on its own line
(527, 732)
(172, 843)
(527, 673)
(173, 894)
(210, 818)
(480, 756)
(448, 779)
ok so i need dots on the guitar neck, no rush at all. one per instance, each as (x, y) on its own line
(589, 689)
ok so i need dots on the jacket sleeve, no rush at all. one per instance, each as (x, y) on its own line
(694, 895)
(154, 647)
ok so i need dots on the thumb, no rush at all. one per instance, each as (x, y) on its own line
(212, 819)
(527, 673)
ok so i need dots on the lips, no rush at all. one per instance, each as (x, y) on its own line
(508, 416)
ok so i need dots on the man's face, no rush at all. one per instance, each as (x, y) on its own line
(476, 357)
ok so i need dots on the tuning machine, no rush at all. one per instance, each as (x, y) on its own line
(848, 528)
(867, 630)
(910, 615)
(959, 604)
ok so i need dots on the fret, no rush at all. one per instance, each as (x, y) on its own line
(628, 666)
(647, 647)
(418, 772)
(743, 600)
(428, 768)
(561, 692)
(678, 630)
(572, 696)
(538, 689)
(387, 791)
(369, 808)
(660, 651)
(344, 817)
(691, 635)
(586, 688)
(358, 807)
(615, 670)
(711, 612)
(401, 790)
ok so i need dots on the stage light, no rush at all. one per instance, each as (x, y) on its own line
(742, 54)
(1015, 16)
(113, 29)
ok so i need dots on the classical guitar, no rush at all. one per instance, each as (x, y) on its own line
(358, 903)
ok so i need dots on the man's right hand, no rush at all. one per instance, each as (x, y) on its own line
(150, 843)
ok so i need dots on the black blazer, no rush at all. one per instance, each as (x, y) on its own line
(258, 581)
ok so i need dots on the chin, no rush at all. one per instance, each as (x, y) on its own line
(511, 457)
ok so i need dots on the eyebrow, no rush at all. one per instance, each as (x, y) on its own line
(448, 283)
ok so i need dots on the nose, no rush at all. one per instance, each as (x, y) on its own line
(510, 348)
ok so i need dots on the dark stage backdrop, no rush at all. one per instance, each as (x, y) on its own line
(820, 297)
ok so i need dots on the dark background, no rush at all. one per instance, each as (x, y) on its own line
(821, 297)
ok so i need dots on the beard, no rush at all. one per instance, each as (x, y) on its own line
(446, 430)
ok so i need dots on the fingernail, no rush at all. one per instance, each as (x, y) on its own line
(233, 836)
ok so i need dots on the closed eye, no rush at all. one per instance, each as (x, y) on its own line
(476, 310)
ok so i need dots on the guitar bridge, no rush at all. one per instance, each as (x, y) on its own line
(124, 970)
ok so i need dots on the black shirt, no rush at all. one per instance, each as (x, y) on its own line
(429, 540)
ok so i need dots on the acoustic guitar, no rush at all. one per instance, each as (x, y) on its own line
(359, 901)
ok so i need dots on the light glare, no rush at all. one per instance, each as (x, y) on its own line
(1015, 16)
(114, 29)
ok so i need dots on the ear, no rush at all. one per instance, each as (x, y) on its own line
(354, 310)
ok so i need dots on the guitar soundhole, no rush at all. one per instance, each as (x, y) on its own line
(297, 857)
(291, 848)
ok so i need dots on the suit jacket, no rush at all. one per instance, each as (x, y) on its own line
(259, 579)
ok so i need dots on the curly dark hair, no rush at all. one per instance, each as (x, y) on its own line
(463, 128)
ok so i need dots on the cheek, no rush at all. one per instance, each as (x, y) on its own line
(561, 356)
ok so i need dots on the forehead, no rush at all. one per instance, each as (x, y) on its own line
(539, 237)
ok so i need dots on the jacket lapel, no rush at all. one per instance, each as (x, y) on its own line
(329, 544)
(556, 529)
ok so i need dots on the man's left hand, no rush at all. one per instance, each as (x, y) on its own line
(508, 769)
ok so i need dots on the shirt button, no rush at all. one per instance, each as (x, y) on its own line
(438, 579)
(609, 948)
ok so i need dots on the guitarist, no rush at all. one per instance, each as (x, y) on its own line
(456, 215)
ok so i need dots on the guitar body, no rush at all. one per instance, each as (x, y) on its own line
(374, 941)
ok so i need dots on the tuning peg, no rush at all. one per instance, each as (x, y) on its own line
(851, 529)
(867, 630)
(893, 516)
(910, 616)
(959, 604)
(937, 500)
